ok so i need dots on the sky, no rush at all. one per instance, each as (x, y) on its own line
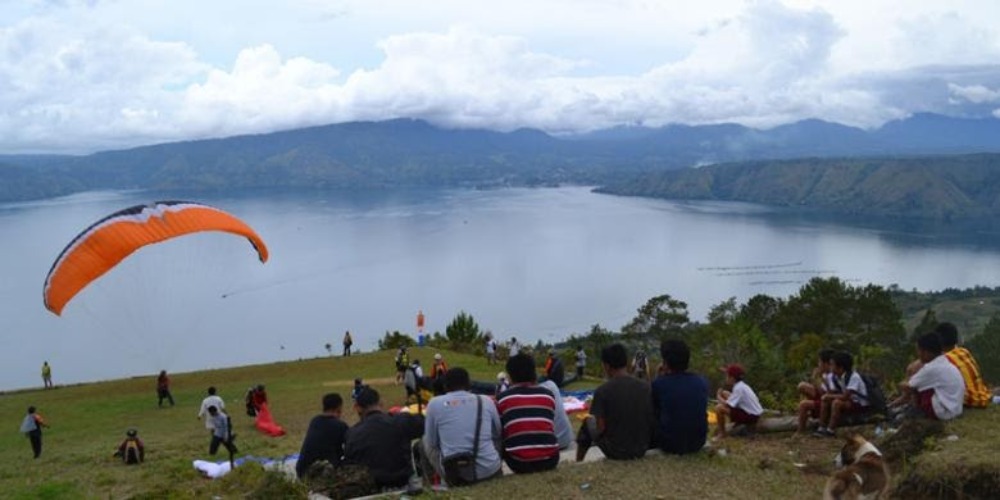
(78, 76)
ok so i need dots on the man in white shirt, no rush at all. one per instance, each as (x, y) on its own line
(211, 400)
(938, 388)
(450, 426)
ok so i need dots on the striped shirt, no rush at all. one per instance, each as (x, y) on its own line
(527, 413)
(977, 395)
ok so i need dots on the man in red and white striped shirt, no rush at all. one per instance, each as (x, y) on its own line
(527, 414)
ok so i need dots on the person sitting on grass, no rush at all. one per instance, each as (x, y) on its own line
(381, 442)
(132, 451)
(679, 402)
(740, 405)
(977, 394)
(621, 415)
(325, 436)
(450, 433)
(851, 398)
(823, 382)
(937, 390)
(527, 413)
(221, 434)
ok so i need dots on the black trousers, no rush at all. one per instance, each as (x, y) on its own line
(164, 394)
(213, 447)
(35, 437)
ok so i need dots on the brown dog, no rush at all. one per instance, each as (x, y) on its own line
(863, 474)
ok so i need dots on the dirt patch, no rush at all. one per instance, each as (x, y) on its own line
(368, 381)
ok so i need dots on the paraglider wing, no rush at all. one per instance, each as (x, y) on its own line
(110, 240)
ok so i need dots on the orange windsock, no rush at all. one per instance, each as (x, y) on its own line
(110, 240)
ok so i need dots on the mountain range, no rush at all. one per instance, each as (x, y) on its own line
(414, 153)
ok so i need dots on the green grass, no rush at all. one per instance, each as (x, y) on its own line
(89, 420)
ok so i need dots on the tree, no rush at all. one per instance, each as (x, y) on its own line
(462, 332)
(927, 324)
(660, 317)
(985, 347)
(394, 340)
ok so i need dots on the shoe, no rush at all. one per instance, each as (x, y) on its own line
(821, 432)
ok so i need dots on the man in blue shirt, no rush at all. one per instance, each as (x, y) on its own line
(680, 402)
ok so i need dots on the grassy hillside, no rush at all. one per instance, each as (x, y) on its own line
(89, 420)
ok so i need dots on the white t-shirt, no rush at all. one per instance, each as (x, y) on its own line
(581, 358)
(215, 401)
(947, 383)
(744, 398)
(859, 391)
(828, 382)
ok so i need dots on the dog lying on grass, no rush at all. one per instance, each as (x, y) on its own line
(862, 475)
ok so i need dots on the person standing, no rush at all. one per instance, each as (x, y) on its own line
(348, 342)
(621, 415)
(221, 426)
(211, 400)
(31, 426)
(163, 389)
(325, 437)
(47, 375)
(491, 351)
(581, 361)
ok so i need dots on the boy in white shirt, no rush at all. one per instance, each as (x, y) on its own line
(937, 390)
(741, 404)
(823, 383)
(852, 398)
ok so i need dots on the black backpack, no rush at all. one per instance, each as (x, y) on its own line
(876, 397)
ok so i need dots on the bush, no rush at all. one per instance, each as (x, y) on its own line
(395, 340)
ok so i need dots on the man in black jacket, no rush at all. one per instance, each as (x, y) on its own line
(381, 441)
(325, 437)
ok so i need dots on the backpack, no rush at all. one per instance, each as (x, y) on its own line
(876, 397)
(131, 455)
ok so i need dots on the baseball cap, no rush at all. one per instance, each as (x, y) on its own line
(734, 370)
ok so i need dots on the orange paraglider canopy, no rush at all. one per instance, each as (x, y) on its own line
(110, 240)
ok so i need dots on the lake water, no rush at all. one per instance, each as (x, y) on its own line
(531, 263)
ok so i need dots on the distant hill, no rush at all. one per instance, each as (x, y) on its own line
(934, 187)
(414, 153)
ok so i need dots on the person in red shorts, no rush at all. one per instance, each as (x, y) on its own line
(740, 405)
(823, 382)
(852, 396)
(937, 389)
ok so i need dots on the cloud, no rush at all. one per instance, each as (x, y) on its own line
(85, 80)
(975, 93)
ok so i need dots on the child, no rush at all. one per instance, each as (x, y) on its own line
(131, 451)
(741, 405)
(503, 383)
(823, 382)
(937, 389)
(852, 397)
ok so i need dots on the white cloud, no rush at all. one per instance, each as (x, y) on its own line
(80, 75)
(975, 93)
